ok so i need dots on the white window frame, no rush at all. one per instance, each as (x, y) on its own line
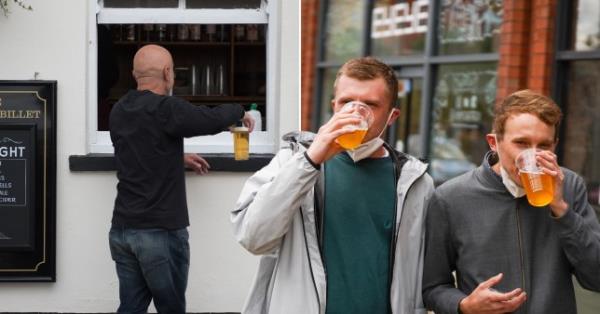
(260, 141)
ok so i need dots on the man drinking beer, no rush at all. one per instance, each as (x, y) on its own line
(512, 253)
(339, 230)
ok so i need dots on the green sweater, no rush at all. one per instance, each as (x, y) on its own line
(358, 226)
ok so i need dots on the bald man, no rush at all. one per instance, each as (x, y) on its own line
(149, 237)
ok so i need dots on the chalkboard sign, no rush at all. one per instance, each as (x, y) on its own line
(17, 177)
(27, 180)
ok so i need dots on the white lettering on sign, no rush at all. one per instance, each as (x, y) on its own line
(399, 19)
(7, 200)
(11, 151)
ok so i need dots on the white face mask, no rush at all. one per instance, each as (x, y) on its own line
(513, 188)
(366, 149)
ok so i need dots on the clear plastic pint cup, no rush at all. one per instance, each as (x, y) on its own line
(539, 187)
(241, 143)
(355, 138)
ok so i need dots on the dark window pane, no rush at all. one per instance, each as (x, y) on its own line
(399, 27)
(326, 95)
(582, 130)
(586, 16)
(461, 117)
(408, 139)
(209, 69)
(469, 26)
(343, 30)
(222, 4)
(141, 3)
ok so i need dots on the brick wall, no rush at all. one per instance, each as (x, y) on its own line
(526, 46)
(309, 25)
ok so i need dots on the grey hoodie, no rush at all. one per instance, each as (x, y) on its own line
(476, 228)
(276, 216)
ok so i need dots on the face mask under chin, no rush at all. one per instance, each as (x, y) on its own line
(513, 188)
(366, 149)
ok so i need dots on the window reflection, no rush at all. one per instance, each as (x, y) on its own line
(470, 26)
(344, 29)
(461, 117)
(587, 25)
(408, 138)
(327, 95)
(398, 27)
(582, 142)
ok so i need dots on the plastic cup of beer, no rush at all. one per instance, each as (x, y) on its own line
(539, 187)
(241, 143)
(355, 138)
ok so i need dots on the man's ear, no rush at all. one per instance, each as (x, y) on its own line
(394, 115)
(492, 140)
(167, 74)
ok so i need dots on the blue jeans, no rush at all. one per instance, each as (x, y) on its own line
(151, 264)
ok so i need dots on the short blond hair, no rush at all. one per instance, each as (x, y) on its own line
(526, 101)
(369, 68)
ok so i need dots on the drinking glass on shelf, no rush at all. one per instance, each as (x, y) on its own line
(130, 32)
(221, 80)
(223, 33)
(194, 78)
(172, 32)
(252, 32)
(182, 32)
(195, 32)
(211, 32)
(148, 28)
(240, 32)
(161, 30)
(207, 81)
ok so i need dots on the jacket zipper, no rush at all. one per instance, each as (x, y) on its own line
(393, 242)
(394, 239)
(312, 274)
(521, 253)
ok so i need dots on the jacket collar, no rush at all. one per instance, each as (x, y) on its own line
(487, 175)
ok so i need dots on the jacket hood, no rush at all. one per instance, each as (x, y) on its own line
(304, 138)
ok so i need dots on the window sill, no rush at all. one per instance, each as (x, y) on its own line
(217, 162)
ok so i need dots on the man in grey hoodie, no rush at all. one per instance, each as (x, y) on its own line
(508, 255)
(339, 231)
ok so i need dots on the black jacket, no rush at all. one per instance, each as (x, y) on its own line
(147, 132)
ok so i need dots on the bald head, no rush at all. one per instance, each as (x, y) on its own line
(153, 69)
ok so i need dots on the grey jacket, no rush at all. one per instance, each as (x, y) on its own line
(276, 217)
(476, 228)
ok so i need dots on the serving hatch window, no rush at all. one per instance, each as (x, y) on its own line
(219, 48)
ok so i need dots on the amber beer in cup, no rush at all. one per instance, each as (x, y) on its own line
(353, 139)
(539, 187)
(241, 143)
